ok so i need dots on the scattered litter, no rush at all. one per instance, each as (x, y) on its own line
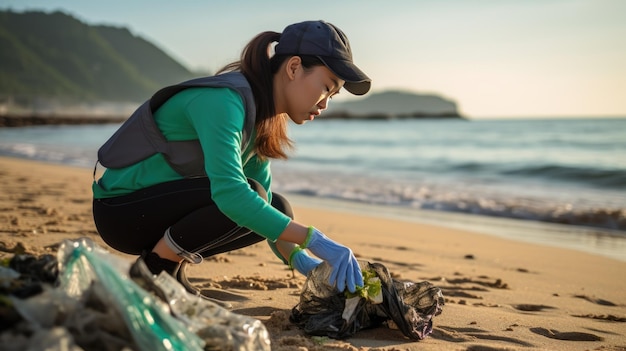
(408, 306)
(84, 299)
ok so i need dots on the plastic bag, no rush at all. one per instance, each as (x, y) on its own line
(324, 311)
(97, 306)
(82, 263)
(219, 328)
(185, 322)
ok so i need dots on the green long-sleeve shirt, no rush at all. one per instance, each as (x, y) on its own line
(214, 116)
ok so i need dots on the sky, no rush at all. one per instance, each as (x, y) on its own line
(495, 59)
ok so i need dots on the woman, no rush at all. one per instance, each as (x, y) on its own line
(188, 175)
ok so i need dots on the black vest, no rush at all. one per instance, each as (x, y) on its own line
(139, 137)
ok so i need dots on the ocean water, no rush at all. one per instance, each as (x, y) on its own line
(562, 171)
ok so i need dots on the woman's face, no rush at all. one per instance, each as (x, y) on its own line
(309, 92)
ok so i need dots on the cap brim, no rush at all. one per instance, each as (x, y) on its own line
(357, 82)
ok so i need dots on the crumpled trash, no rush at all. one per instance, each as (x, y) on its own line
(95, 305)
(23, 275)
(44, 268)
(407, 306)
(218, 327)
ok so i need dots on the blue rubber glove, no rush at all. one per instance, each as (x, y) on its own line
(346, 271)
(302, 262)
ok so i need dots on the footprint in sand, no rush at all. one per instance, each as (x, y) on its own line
(569, 336)
(595, 300)
(485, 348)
(604, 317)
(482, 280)
(469, 334)
(460, 292)
(532, 308)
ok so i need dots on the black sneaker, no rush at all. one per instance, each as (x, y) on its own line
(142, 276)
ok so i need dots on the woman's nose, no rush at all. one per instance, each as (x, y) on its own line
(323, 104)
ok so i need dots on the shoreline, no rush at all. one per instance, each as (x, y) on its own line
(609, 243)
(500, 294)
(604, 242)
(552, 194)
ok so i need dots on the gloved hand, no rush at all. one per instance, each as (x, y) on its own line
(346, 270)
(301, 261)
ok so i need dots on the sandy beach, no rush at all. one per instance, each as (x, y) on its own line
(500, 294)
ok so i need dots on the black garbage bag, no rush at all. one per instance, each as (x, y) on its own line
(324, 311)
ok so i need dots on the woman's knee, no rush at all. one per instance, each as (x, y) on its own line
(256, 186)
(279, 202)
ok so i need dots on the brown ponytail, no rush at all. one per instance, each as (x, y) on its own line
(271, 139)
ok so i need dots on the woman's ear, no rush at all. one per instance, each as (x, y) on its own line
(293, 65)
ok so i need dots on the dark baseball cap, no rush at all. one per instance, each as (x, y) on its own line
(330, 45)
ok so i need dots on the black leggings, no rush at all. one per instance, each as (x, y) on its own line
(136, 222)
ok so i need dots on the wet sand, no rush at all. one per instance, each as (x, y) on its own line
(500, 294)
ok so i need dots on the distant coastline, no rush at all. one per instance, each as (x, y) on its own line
(378, 116)
(26, 120)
